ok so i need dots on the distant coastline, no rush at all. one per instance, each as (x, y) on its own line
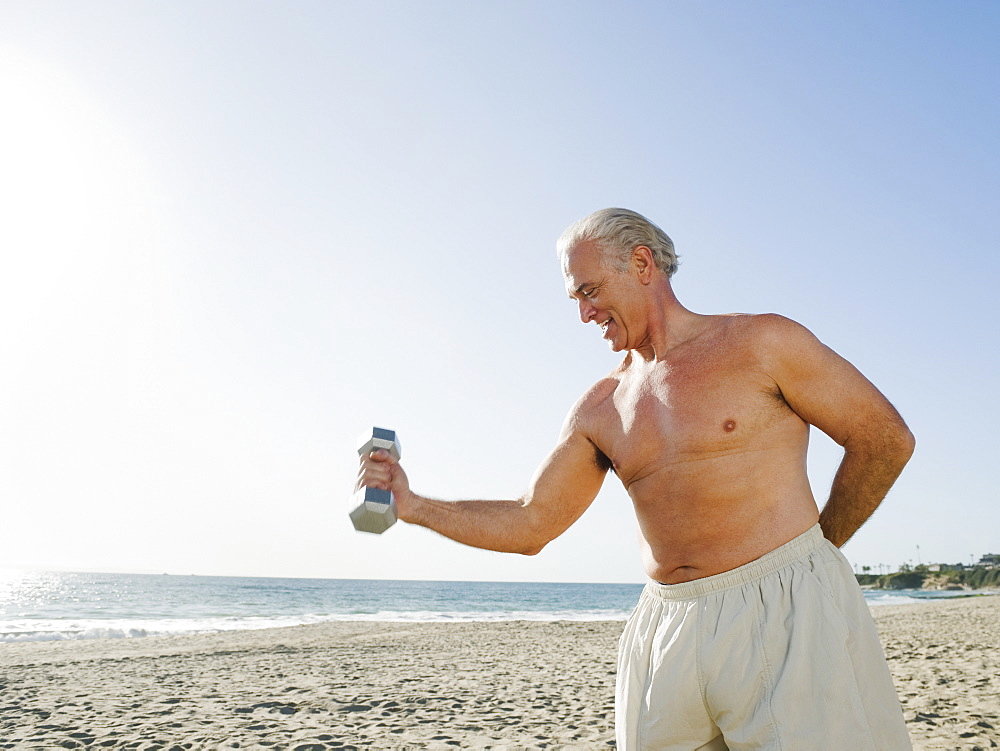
(936, 577)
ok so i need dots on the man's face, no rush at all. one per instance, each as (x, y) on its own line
(602, 293)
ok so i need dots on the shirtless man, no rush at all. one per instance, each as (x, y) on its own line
(752, 632)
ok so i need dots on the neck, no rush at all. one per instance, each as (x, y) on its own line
(669, 323)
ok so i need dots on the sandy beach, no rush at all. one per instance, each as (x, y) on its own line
(511, 685)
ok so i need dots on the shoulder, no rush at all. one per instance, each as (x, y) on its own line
(771, 335)
(775, 346)
(581, 424)
(765, 325)
(585, 416)
(593, 399)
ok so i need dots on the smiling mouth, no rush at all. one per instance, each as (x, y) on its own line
(604, 326)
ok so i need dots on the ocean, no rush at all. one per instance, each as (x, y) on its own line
(40, 606)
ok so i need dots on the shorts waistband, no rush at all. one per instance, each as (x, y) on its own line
(791, 551)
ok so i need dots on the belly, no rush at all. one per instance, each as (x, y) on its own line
(704, 517)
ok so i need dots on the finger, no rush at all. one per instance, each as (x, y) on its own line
(370, 483)
(369, 465)
(373, 479)
(373, 474)
(372, 464)
(371, 461)
(382, 456)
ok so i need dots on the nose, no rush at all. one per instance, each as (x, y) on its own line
(587, 311)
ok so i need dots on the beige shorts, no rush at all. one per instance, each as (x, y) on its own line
(781, 653)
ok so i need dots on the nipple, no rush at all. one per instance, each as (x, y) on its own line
(729, 426)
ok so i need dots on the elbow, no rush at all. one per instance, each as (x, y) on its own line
(896, 449)
(537, 534)
(905, 444)
(529, 538)
(911, 444)
(534, 548)
(534, 543)
(892, 445)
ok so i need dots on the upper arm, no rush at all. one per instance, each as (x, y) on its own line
(567, 481)
(826, 390)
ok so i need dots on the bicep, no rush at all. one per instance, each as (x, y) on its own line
(565, 484)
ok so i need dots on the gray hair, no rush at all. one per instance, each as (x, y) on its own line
(618, 232)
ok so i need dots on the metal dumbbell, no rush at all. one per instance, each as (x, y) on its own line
(376, 509)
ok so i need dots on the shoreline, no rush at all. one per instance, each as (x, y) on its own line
(17, 632)
(478, 685)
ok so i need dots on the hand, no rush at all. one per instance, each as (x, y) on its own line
(379, 470)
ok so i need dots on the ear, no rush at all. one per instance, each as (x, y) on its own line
(642, 262)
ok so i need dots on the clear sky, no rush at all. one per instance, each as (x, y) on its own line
(235, 234)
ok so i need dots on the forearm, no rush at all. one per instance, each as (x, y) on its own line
(504, 526)
(861, 483)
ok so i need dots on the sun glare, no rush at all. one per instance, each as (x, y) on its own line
(76, 271)
(77, 210)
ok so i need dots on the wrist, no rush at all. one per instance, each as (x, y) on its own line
(408, 507)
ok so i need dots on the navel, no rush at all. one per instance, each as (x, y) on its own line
(729, 426)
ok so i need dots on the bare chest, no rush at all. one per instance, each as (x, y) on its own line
(693, 409)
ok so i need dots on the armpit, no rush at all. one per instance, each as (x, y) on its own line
(775, 397)
(603, 461)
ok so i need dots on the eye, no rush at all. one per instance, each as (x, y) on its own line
(589, 293)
